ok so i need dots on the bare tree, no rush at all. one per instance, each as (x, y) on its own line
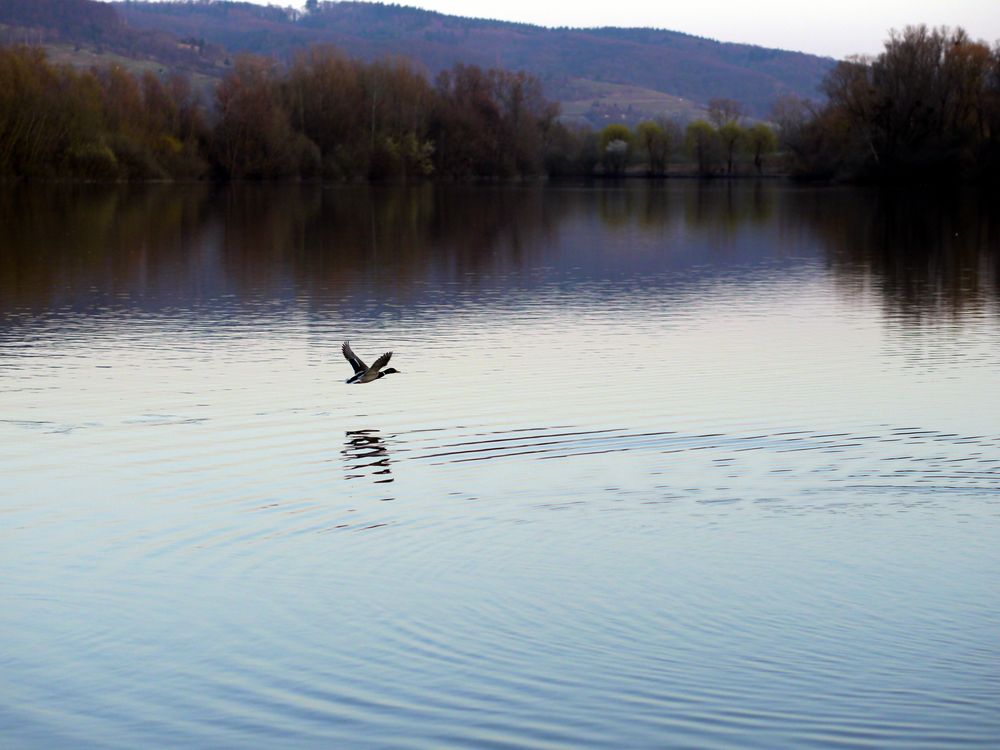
(725, 112)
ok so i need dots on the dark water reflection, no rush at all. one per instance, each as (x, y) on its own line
(91, 248)
(678, 465)
(366, 455)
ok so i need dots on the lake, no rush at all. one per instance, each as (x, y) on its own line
(666, 465)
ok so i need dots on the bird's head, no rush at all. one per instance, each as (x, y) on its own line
(389, 371)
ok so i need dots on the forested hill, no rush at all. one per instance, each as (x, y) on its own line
(624, 67)
(598, 75)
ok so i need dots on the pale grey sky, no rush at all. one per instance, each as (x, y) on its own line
(834, 27)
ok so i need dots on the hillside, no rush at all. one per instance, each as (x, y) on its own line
(574, 64)
(597, 75)
(83, 33)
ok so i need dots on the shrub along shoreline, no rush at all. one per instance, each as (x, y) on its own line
(927, 107)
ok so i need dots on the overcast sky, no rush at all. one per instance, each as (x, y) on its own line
(832, 27)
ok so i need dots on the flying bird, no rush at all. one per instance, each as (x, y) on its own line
(362, 372)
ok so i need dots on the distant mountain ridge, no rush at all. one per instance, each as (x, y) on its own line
(672, 63)
(597, 74)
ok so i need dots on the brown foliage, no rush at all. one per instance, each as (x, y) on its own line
(926, 106)
(106, 124)
(325, 115)
(490, 123)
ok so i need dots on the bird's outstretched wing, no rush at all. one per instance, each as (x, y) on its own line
(381, 362)
(353, 358)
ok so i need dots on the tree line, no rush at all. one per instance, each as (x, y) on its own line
(103, 124)
(724, 143)
(928, 107)
(323, 116)
(326, 116)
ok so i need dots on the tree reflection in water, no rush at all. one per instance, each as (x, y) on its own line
(374, 249)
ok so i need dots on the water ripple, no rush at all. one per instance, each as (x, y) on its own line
(699, 466)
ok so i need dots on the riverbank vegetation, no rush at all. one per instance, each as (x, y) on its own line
(323, 116)
(927, 107)
(326, 116)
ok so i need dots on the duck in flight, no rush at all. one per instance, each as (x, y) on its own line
(362, 372)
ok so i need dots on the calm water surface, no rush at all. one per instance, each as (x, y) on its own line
(676, 466)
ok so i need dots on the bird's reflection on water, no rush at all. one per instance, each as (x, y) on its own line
(366, 455)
